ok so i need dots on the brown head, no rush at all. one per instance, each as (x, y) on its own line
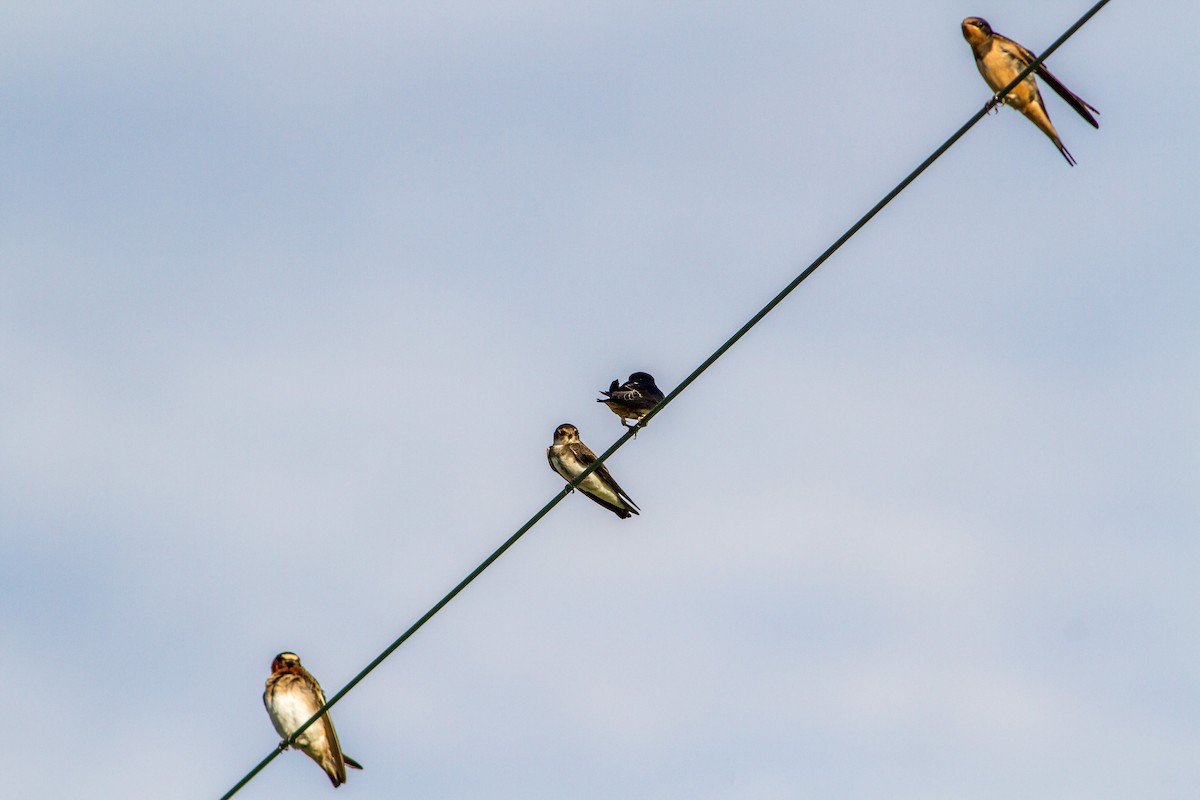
(286, 662)
(976, 30)
(566, 434)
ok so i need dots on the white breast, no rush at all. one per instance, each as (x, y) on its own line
(290, 710)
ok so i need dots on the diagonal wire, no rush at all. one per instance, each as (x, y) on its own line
(696, 373)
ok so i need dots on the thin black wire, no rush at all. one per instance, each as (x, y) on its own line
(696, 373)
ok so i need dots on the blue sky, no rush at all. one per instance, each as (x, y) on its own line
(294, 295)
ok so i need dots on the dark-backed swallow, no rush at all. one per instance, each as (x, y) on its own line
(634, 398)
(291, 698)
(568, 457)
(1000, 60)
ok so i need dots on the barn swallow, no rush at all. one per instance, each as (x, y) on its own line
(568, 457)
(1000, 60)
(291, 698)
(634, 398)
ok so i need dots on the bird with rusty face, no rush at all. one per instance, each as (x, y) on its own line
(632, 399)
(292, 697)
(1000, 60)
(568, 456)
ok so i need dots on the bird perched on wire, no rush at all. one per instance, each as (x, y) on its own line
(568, 457)
(291, 698)
(633, 399)
(1000, 60)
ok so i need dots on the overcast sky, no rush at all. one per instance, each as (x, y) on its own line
(293, 295)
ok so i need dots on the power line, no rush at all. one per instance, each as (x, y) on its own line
(696, 373)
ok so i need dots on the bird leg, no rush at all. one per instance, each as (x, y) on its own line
(995, 103)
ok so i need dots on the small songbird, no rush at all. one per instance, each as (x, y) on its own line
(1000, 60)
(634, 398)
(291, 698)
(568, 457)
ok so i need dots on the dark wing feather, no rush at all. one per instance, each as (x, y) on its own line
(583, 453)
(607, 478)
(1017, 49)
(1073, 100)
(587, 458)
(623, 513)
(338, 776)
(644, 382)
(632, 398)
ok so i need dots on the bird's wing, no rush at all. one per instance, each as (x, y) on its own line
(1073, 100)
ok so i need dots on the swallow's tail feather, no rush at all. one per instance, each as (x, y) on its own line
(1062, 148)
(336, 777)
(350, 762)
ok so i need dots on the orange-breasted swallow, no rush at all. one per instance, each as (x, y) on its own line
(634, 398)
(1000, 60)
(291, 698)
(568, 457)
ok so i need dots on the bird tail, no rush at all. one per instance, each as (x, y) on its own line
(1062, 148)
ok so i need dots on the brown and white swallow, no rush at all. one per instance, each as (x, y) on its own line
(291, 698)
(1000, 60)
(568, 457)
(634, 398)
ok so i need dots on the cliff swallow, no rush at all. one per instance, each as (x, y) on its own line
(1000, 60)
(634, 398)
(291, 698)
(568, 457)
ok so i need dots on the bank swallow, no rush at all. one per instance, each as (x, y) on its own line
(1000, 60)
(291, 698)
(568, 457)
(634, 398)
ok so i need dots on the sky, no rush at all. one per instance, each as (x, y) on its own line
(293, 295)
